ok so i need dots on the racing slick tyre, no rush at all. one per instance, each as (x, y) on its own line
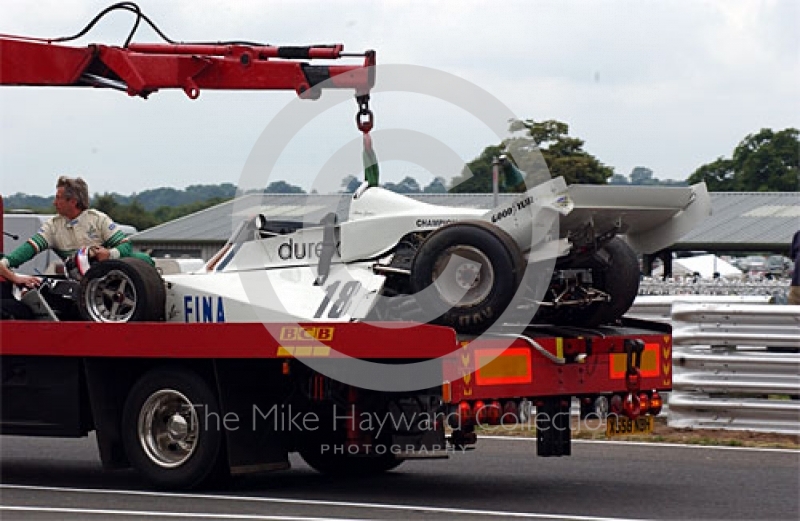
(615, 272)
(168, 429)
(11, 308)
(122, 290)
(467, 273)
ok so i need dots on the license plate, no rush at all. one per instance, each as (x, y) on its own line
(624, 426)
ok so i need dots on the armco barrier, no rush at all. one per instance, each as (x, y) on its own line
(736, 366)
(659, 307)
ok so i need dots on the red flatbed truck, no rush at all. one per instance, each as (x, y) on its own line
(186, 403)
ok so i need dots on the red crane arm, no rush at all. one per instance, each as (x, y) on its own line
(141, 69)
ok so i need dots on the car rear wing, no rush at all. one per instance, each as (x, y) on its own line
(650, 218)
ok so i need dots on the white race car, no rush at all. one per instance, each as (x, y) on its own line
(553, 254)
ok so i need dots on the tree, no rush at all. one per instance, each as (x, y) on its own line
(105, 203)
(282, 187)
(408, 185)
(563, 155)
(476, 177)
(641, 175)
(437, 186)
(134, 214)
(350, 184)
(132, 211)
(718, 175)
(544, 150)
(34, 203)
(767, 161)
(169, 213)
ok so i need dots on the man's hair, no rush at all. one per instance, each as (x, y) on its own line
(75, 188)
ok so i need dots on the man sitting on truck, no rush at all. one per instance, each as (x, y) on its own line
(76, 226)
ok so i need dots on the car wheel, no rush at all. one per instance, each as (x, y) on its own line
(168, 429)
(122, 290)
(619, 278)
(466, 274)
(615, 271)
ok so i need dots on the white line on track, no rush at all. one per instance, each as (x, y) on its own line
(311, 502)
(146, 513)
(648, 444)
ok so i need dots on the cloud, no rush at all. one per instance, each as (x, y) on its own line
(667, 85)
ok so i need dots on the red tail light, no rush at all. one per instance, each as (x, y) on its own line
(493, 413)
(656, 404)
(510, 413)
(481, 412)
(464, 413)
(615, 406)
(644, 402)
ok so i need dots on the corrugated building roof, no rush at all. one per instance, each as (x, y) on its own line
(743, 221)
(218, 222)
(740, 221)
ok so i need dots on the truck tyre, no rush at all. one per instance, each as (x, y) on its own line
(342, 464)
(471, 292)
(169, 429)
(122, 290)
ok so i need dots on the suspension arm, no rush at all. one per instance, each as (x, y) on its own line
(142, 69)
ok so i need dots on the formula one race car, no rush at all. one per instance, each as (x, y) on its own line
(553, 254)
(563, 255)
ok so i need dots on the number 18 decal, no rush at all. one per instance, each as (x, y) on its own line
(339, 306)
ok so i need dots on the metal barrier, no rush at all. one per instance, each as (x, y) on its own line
(659, 307)
(736, 366)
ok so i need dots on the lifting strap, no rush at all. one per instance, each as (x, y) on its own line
(364, 121)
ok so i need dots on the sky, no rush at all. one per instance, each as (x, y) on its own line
(669, 85)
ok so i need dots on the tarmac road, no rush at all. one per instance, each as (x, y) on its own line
(62, 479)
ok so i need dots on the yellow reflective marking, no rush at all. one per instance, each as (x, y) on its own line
(321, 351)
(649, 360)
(317, 350)
(504, 366)
(619, 364)
(649, 366)
(560, 347)
(303, 350)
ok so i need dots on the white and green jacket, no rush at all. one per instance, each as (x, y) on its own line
(66, 236)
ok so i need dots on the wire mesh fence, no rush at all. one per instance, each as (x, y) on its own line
(777, 290)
